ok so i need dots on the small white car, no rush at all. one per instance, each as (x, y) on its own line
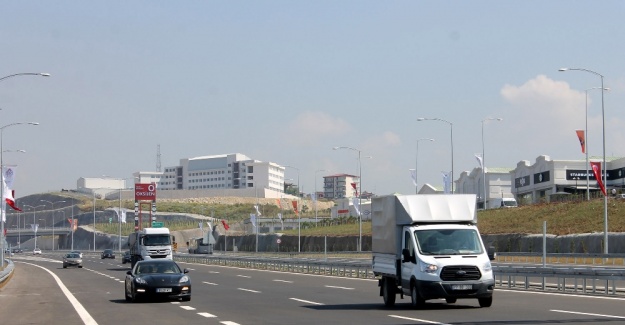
(36, 251)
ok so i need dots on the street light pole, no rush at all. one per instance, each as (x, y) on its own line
(416, 167)
(35, 226)
(605, 174)
(484, 196)
(26, 74)
(2, 183)
(359, 194)
(451, 128)
(299, 219)
(94, 220)
(53, 211)
(316, 198)
(586, 145)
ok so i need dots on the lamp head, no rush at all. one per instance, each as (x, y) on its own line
(563, 69)
(43, 74)
(335, 148)
(420, 119)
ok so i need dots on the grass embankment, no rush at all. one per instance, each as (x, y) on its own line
(562, 218)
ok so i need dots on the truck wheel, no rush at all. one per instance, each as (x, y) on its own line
(451, 300)
(416, 300)
(388, 293)
(485, 302)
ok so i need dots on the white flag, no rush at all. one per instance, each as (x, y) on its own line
(446, 183)
(313, 197)
(123, 215)
(8, 175)
(257, 211)
(280, 216)
(356, 206)
(413, 175)
(253, 219)
(210, 227)
(480, 161)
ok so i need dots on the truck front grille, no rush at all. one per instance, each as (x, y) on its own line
(460, 273)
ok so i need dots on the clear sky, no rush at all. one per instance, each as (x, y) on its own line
(285, 81)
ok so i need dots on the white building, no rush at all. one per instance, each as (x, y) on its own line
(340, 186)
(99, 186)
(498, 184)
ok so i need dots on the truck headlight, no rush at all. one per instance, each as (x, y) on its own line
(488, 267)
(428, 268)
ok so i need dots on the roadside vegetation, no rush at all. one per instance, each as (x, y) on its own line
(576, 216)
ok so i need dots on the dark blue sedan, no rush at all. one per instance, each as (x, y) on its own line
(159, 278)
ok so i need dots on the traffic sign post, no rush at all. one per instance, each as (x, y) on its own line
(157, 224)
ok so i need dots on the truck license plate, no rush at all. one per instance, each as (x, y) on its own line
(163, 289)
(461, 287)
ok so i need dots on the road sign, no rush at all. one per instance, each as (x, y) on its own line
(157, 224)
(278, 241)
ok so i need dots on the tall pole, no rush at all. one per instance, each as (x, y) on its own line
(19, 230)
(416, 167)
(484, 195)
(94, 220)
(299, 219)
(72, 225)
(586, 145)
(359, 194)
(316, 198)
(605, 174)
(53, 211)
(451, 129)
(2, 182)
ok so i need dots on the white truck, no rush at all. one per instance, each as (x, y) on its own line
(150, 243)
(429, 247)
(505, 202)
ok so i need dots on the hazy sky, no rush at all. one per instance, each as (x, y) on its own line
(285, 81)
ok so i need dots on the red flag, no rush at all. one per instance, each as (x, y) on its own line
(10, 200)
(223, 222)
(279, 203)
(596, 169)
(582, 139)
(295, 207)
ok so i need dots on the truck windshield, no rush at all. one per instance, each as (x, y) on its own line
(156, 240)
(448, 242)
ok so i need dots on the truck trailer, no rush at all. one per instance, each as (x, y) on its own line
(429, 247)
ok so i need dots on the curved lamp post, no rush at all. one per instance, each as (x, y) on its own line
(26, 74)
(605, 174)
(34, 220)
(451, 128)
(2, 237)
(498, 119)
(359, 194)
(53, 211)
(416, 167)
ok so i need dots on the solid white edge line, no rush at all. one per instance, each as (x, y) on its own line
(417, 320)
(307, 301)
(586, 314)
(82, 312)
(227, 322)
(560, 294)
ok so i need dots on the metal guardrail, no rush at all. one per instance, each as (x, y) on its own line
(579, 280)
(562, 258)
(5, 274)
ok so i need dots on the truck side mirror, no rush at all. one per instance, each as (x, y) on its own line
(406, 255)
(492, 254)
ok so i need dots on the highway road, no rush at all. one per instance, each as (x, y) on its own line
(42, 292)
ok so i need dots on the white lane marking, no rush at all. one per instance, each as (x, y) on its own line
(82, 312)
(244, 276)
(207, 315)
(228, 323)
(561, 294)
(249, 290)
(285, 281)
(335, 287)
(307, 301)
(213, 284)
(417, 320)
(586, 314)
(213, 272)
(187, 307)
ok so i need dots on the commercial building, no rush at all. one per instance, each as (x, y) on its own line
(498, 184)
(340, 186)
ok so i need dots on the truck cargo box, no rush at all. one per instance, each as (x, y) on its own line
(392, 211)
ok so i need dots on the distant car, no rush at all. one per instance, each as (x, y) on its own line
(17, 250)
(77, 252)
(36, 251)
(157, 279)
(72, 259)
(107, 253)
(126, 257)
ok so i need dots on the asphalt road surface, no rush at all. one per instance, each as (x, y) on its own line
(42, 292)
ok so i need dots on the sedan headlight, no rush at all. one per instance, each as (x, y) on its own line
(141, 281)
(184, 279)
(428, 268)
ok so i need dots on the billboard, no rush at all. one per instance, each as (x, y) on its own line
(145, 192)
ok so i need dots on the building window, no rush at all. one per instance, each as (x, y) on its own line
(250, 169)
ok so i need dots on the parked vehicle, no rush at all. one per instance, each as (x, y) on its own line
(126, 257)
(72, 259)
(107, 253)
(150, 243)
(429, 247)
(157, 278)
(506, 202)
(37, 251)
